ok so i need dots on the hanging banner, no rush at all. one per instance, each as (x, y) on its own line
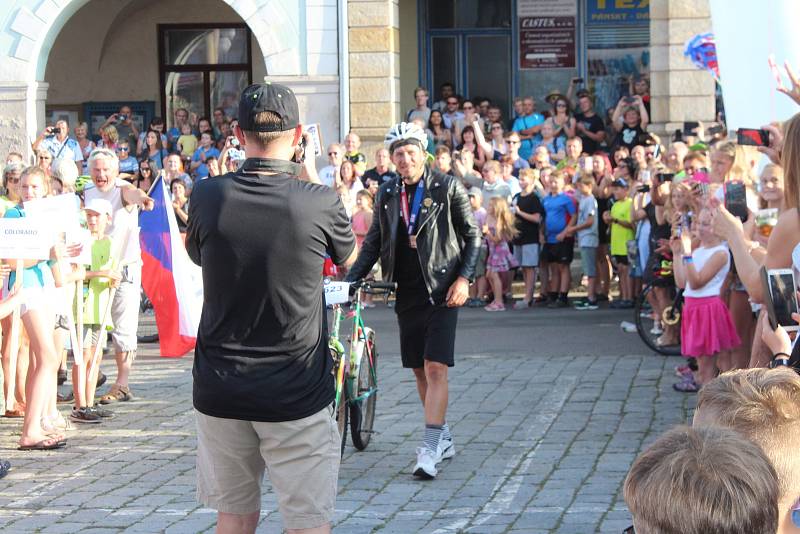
(617, 12)
(547, 33)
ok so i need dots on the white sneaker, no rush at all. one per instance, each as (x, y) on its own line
(445, 450)
(426, 463)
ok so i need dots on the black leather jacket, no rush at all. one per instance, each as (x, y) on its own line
(448, 239)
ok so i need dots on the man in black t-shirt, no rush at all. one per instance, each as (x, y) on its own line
(263, 384)
(425, 235)
(588, 125)
(381, 172)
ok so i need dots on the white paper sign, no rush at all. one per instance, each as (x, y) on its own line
(62, 211)
(24, 239)
(84, 237)
(336, 292)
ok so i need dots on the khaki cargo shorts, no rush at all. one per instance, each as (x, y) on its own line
(301, 459)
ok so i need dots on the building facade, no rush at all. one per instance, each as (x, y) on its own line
(353, 63)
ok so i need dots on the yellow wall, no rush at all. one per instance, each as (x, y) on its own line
(409, 54)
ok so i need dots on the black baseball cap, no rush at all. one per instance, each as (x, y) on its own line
(273, 97)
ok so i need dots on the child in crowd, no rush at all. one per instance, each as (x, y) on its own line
(205, 151)
(588, 238)
(187, 142)
(101, 275)
(619, 219)
(558, 249)
(478, 288)
(529, 212)
(507, 175)
(499, 229)
(361, 221)
(763, 405)
(702, 480)
(493, 186)
(707, 330)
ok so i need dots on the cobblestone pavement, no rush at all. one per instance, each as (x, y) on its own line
(547, 418)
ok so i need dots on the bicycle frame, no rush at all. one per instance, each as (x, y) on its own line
(348, 368)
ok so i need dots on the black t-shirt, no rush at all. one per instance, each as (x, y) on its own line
(594, 124)
(373, 174)
(528, 231)
(629, 137)
(261, 240)
(411, 288)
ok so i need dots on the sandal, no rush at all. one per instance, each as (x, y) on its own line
(47, 444)
(493, 307)
(15, 414)
(687, 386)
(117, 393)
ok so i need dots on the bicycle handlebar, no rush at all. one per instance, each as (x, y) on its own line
(373, 286)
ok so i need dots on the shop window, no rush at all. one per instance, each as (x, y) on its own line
(202, 67)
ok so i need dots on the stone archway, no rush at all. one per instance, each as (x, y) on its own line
(289, 53)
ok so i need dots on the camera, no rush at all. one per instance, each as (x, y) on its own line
(122, 118)
(644, 189)
(53, 131)
(234, 141)
(666, 176)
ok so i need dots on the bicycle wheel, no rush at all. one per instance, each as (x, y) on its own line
(362, 412)
(650, 327)
(147, 331)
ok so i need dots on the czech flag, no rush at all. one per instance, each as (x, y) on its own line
(171, 281)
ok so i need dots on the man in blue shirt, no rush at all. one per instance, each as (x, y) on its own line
(181, 118)
(203, 152)
(528, 126)
(56, 140)
(559, 211)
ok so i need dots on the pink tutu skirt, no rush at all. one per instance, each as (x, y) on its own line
(707, 327)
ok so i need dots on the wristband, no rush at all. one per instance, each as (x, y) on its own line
(688, 259)
(781, 359)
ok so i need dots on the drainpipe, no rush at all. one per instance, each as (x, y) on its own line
(344, 71)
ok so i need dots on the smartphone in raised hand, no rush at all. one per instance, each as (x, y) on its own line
(752, 137)
(780, 297)
(736, 199)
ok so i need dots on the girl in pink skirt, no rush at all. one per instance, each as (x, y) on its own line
(499, 230)
(707, 330)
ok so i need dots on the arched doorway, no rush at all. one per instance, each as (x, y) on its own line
(155, 55)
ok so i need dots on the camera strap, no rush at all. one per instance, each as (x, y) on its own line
(278, 166)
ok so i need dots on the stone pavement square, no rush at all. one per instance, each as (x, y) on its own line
(548, 410)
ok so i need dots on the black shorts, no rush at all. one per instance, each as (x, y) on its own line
(562, 252)
(620, 260)
(427, 332)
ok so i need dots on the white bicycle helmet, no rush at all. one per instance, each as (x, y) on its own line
(404, 133)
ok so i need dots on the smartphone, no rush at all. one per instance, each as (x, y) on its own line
(657, 151)
(666, 176)
(677, 136)
(715, 130)
(316, 137)
(644, 188)
(689, 127)
(629, 100)
(736, 199)
(780, 297)
(752, 137)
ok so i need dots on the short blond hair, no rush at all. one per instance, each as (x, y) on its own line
(531, 174)
(492, 166)
(764, 406)
(700, 480)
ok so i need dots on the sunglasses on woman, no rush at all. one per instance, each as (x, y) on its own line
(145, 169)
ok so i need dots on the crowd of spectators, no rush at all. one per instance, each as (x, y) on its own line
(544, 185)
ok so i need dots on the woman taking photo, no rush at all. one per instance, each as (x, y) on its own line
(470, 144)
(601, 172)
(153, 151)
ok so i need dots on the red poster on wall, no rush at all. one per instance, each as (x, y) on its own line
(547, 33)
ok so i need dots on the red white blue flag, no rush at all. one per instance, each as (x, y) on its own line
(171, 281)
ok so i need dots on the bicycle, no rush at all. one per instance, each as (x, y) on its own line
(356, 370)
(650, 327)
